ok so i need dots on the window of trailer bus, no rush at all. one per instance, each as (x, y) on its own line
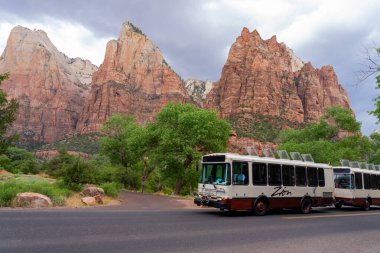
(259, 173)
(367, 181)
(300, 176)
(343, 181)
(274, 174)
(358, 180)
(321, 177)
(288, 178)
(373, 181)
(240, 173)
(218, 173)
(312, 177)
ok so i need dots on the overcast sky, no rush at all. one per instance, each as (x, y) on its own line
(195, 35)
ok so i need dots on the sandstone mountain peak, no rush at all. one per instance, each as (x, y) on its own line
(264, 78)
(50, 87)
(133, 79)
(129, 27)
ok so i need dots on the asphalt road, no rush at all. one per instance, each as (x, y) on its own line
(175, 229)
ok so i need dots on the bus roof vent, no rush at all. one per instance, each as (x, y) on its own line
(377, 167)
(345, 163)
(307, 158)
(268, 152)
(283, 154)
(252, 150)
(296, 156)
(363, 165)
(354, 164)
(370, 166)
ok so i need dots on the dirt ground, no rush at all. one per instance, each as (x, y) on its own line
(139, 201)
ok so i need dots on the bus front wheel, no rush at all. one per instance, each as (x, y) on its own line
(306, 206)
(366, 205)
(260, 207)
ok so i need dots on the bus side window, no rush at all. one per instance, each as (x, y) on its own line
(321, 177)
(259, 173)
(367, 181)
(240, 173)
(373, 181)
(358, 181)
(274, 174)
(288, 175)
(300, 176)
(312, 177)
(378, 181)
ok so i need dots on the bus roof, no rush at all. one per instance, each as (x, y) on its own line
(250, 158)
(358, 170)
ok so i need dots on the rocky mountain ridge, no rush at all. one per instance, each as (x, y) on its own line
(264, 78)
(263, 85)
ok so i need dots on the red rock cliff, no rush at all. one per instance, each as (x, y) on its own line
(50, 87)
(133, 79)
(264, 77)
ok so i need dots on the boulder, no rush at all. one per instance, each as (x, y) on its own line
(89, 201)
(32, 200)
(92, 191)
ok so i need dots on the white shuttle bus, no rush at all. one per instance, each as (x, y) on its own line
(357, 184)
(246, 182)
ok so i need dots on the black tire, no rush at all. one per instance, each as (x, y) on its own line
(305, 206)
(261, 207)
(366, 205)
(338, 205)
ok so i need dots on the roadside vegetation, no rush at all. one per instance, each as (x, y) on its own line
(162, 156)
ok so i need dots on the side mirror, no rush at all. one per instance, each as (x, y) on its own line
(197, 166)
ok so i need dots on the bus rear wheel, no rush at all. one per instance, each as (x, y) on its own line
(260, 208)
(306, 206)
(338, 205)
(366, 205)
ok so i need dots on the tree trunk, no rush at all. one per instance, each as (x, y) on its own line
(178, 187)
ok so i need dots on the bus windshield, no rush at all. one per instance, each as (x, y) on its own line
(343, 181)
(217, 173)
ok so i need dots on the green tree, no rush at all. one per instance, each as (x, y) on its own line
(323, 139)
(181, 134)
(373, 69)
(8, 110)
(122, 143)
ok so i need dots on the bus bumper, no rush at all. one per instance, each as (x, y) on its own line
(223, 205)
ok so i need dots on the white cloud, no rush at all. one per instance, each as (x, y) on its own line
(72, 39)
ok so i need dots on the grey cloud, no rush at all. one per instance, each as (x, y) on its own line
(194, 40)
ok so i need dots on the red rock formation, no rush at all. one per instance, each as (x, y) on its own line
(50, 87)
(319, 89)
(133, 79)
(264, 77)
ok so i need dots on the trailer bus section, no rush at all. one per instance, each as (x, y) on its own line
(243, 182)
(356, 187)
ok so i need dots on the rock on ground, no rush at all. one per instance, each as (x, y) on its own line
(32, 200)
(92, 191)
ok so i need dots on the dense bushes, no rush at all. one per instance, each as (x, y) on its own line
(18, 160)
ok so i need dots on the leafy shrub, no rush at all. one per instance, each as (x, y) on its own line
(111, 189)
(21, 161)
(77, 174)
(108, 174)
(56, 167)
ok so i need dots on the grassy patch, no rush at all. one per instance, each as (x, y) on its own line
(18, 184)
(111, 189)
